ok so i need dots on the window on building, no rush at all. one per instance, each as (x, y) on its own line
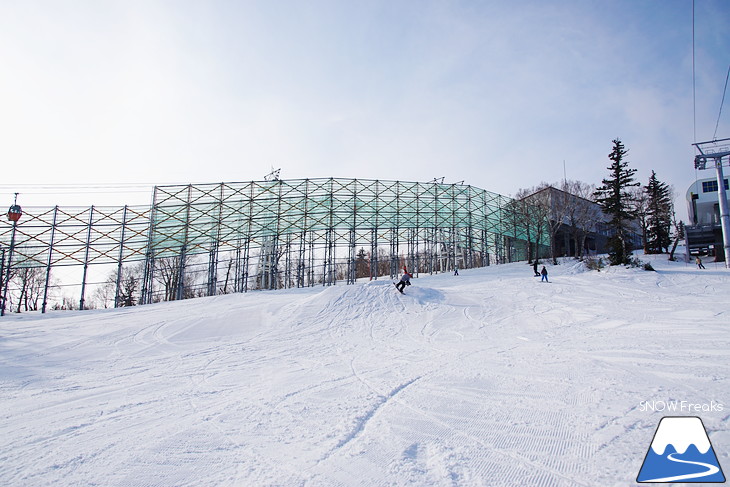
(711, 186)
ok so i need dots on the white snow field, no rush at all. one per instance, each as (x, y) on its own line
(491, 378)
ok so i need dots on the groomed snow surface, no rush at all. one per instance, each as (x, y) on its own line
(488, 378)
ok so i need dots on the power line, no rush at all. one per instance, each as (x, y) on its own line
(71, 188)
(77, 185)
(70, 191)
(714, 136)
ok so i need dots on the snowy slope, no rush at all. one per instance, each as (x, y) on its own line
(488, 378)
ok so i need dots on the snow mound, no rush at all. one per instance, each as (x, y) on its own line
(486, 378)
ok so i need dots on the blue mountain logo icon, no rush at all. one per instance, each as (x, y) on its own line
(681, 452)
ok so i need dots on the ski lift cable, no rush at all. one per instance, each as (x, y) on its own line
(64, 188)
(694, 97)
(714, 136)
(694, 86)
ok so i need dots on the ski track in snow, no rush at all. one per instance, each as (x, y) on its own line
(489, 378)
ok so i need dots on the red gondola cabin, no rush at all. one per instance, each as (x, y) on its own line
(14, 213)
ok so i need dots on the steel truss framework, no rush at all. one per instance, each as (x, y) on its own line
(233, 237)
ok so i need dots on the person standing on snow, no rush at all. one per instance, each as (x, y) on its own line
(698, 261)
(543, 272)
(534, 268)
(404, 281)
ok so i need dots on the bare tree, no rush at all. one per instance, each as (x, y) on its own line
(105, 295)
(518, 213)
(582, 213)
(640, 201)
(6, 278)
(67, 303)
(229, 267)
(129, 285)
(175, 275)
(383, 262)
(30, 282)
(678, 234)
(554, 204)
(341, 270)
(546, 206)
(529, 217)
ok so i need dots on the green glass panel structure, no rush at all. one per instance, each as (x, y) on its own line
(205, 239)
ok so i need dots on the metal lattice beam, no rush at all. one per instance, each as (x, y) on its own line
(211, 238)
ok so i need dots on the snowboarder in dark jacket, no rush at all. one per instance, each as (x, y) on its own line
(543, 272)
(404, 281)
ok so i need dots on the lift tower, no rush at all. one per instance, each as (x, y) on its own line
(717, 153)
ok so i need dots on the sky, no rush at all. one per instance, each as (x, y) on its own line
(101, 100)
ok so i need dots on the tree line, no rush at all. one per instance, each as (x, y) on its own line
(620, 205)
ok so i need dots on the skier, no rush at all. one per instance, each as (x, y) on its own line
(543, 272)
(534, 268)
(698, 261)
(456, 271)
(404, 281)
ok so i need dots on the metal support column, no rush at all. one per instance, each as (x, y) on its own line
(351, 259)
(2, 272)
(374, 254)
(715, 151)
(215, 245)
(301, 259)
(86, 259)
(180, 291)
(149, 260)
(213, 269)
(394, 253)
(246, 252)
(120, 260)
(50, 261)
(724, 213)
(8, 269)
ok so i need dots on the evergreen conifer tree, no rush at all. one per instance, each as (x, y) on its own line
(615, 200)
(659, 215)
